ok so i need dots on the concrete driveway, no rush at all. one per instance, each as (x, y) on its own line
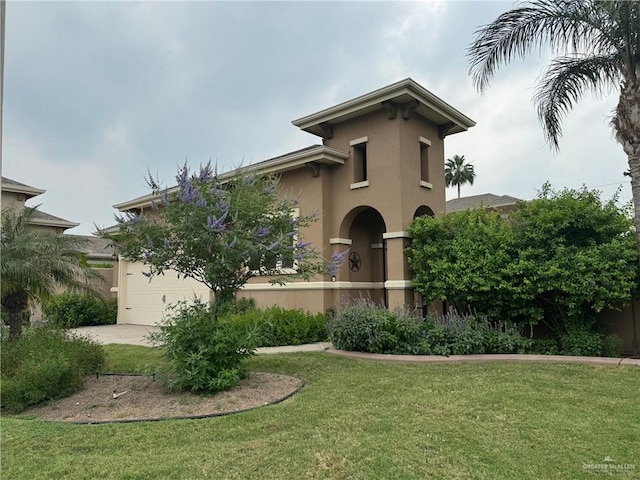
(128, 334)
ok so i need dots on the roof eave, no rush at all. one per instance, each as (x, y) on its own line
(373, 100)
(53, 223)
(320, 154)
(27, 190)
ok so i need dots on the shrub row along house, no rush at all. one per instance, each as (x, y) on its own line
(380, 164)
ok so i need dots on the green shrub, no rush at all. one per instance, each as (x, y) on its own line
(365, 326)
(292, 327)
(544, 346)
(206, 354)
(611, 346)
(580, 341)
(236, 307)
(45, 364)
(71, 310)
(276, 326)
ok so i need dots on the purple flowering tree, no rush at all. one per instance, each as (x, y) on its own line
(220, 232)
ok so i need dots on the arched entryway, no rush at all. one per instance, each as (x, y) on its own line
(365, 266)
(423, 211)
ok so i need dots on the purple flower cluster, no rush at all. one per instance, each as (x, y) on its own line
(187, 192)
(273, 246)
(165, 198)
(270, 188)
(336, 261)
(206, 173)
(216, 224)
(127, 218)
(262, 231)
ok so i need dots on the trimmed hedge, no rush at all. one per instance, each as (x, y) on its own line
(277, 326)
(71, 310)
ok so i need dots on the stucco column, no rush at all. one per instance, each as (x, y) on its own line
(398, 283)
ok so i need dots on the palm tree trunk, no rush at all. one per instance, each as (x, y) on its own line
(627, 124)
(15, 304)
(458, 190)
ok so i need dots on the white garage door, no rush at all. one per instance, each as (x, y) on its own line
(143, 301)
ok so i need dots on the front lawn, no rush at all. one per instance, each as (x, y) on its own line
(362, 420)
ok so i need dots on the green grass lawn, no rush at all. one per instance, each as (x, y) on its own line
(362, 420)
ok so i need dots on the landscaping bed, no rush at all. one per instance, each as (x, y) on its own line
(141, 397)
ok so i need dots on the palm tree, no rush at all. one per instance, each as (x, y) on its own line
(34, 264)
(457, 172)
(598, 47)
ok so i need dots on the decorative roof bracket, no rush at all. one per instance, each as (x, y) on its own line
(327, 130)
(444, 129)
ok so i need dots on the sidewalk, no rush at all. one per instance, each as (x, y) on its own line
(136, 335)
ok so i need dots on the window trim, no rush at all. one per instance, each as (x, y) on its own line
(425, 144)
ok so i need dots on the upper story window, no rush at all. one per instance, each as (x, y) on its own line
(425, 145)
(359, 157)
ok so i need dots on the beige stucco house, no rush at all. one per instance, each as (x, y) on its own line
(16, 194)
(379, 165)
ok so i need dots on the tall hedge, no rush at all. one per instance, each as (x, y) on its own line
(560, 259)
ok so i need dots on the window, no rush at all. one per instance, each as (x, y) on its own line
(359, 157)
(360, 162)
(424, 162)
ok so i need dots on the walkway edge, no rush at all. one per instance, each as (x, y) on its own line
(485, 358)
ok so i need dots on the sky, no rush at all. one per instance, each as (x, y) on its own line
(97, 94)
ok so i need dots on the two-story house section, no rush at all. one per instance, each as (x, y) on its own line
(380, 164)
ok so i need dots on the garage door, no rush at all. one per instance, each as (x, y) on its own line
(143, 301)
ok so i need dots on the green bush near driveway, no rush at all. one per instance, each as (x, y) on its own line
(72, 310)
(206, 354)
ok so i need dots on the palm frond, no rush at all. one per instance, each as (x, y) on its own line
(578, 25)
(565, 82)
(38, 262)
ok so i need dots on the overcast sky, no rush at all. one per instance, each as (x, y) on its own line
(97, 93)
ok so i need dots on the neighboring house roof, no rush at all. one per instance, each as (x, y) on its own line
(9, 185)
(400, 98)
(487, 200)
(39, 218)
(282, 163)
(47, 220)
(96, 247)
